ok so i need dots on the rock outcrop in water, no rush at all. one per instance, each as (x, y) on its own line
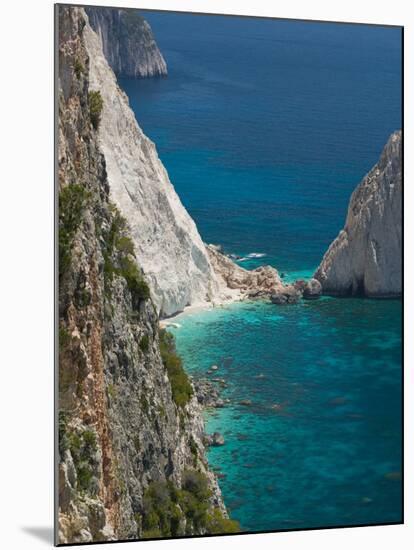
(365, 258)
(130, 427)
(127, 42)
(312, 289)
(262, 282)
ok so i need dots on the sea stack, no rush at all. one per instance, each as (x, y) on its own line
(365, 258)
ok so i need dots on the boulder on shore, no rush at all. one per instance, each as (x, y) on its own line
(312, 289)
(287, 294)
(214, 440)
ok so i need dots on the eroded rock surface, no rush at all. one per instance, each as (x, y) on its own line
(168, 245)
(365, 258)
(263, 282)
(127, 42)
(312, 289)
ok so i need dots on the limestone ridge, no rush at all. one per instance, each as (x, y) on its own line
(128, 425)
(127, 42)
(168, 245)
(365, 258)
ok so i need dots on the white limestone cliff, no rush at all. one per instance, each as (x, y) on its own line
(365, 258)
(168, 245)
(127, 42)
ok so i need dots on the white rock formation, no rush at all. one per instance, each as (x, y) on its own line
(168, 245)
(365, 258)
(127, 42)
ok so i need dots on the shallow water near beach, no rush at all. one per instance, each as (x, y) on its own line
(319, 444)
(265, 128)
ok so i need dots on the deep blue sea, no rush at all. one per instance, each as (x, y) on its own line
(265, 128)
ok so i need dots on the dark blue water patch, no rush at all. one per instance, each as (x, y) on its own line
(320, 443)
(294, 92)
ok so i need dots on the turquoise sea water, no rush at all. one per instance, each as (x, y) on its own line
(265, 128)
(320, 444)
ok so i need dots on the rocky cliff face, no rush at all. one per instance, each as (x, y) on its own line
(127, 42)
(365, 258)
(168, 245)
(131, 454)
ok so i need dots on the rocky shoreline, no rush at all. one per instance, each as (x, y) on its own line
(264, 282)
(208, 394)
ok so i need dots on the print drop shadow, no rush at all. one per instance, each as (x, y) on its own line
(42, 533)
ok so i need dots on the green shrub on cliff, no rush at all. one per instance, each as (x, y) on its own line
(172, 511)
(196, 483)
(78, 68)
(161, 516)
(216, 523)
(83, 447)
(118, 256)
(64, 338)
(72, 203)
(144, 343)
(63, 442)
(180, 384)
(194, 450)
(136, 284)
(194, 498)
(125, 245)
(95, 107)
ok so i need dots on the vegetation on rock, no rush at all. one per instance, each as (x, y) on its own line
(64, 337)
(72, 202)
(95, 107)
(78, 68)
(82, 446)
(170, 511)
(180, 384)
(129, 271)
(144, 343)
(119, 259)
